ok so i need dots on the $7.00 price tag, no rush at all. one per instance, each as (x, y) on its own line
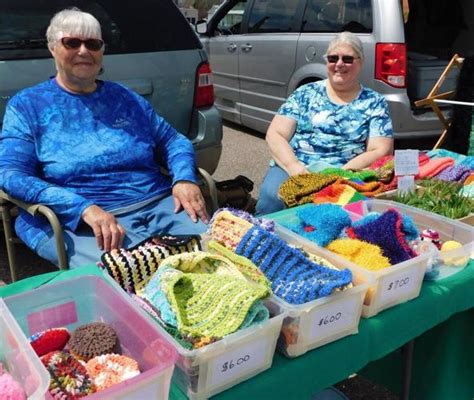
(399, 285)
(332, 318)
(234, 364)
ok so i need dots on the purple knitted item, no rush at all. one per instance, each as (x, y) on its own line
(385, 232)
(455, 173)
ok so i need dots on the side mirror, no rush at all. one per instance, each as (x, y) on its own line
(201, 27)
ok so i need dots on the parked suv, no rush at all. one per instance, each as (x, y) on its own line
(262, 50)
(150, 47)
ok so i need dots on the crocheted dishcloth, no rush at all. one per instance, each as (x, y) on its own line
(434, 167)
(110, 369)
(10, 389)
(264, 223)
(94, 339)
(368, 256)
(228, 229)
(386, 232)
(455, 173)
(68, 377)
(132, 268)
(320, 223)
(208, 293)
(299, 189)
(49, 340)
(337, 193)
(294, 278)
(363, 175)
(245, 266)
(257, 314)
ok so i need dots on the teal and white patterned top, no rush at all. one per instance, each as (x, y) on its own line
(330, 132)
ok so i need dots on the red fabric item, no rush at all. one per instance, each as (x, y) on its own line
(49, 340)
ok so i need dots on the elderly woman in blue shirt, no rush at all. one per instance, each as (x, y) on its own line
(335, 122)
(87, 148)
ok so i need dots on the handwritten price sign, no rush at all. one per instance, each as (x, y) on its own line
(237, 363)
(399, 286)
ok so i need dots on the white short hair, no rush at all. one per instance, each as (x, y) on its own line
(72, 22)
(349, 39)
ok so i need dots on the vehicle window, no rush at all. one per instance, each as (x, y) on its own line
(272, 16)
(148, 26)
(337, 16)
(231, 23)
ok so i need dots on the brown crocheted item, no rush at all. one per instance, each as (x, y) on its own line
(299, 189)
(91, 340)
(368, 189)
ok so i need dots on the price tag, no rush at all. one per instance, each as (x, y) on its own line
(406, 162)
(406, 184)
(398, 286)
(240, 362)
(332, 318)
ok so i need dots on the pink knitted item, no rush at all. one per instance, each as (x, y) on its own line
(9, 388)
(434, 167)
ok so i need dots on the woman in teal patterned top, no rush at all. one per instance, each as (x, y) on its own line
(335, 122)
(87, 149)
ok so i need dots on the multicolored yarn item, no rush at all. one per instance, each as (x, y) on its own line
(10, 389)
(69, 378)
(49, 340)
(90, 340)
(337, 193)
(455, 173)
(299, 189)
(366, 255)
(208, 293)
(434, 167)
(263, 223)
(294, 278)
(228, 229)
(363, 175)
(320, 223)
(132, 268)
(110, 369)
(386, 232)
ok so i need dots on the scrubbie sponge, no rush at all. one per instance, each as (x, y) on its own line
(10, 389)
(49, 340)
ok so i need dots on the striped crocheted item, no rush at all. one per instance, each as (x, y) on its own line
(228, 229)
(208, 294)
(132, 268)
(294, 278)
(455, 173)
(299, 189)
(366, 255)
(363, 175)
(338, 193)
(264, 223)
(386, 232)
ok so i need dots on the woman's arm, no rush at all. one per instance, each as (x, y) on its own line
(278, 137)
(376, 147)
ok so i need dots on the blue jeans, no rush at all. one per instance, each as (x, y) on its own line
(268, 201)
(152, 219)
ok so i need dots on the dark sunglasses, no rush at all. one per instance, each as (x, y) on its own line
(72, 43)
(333, 58)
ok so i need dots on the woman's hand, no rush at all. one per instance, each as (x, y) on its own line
(296, 168)
(187, 195)
(108, 232)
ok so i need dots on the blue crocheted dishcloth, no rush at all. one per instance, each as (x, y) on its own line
(294, 278)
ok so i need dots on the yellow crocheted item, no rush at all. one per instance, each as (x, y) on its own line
(299, 189)
(228, 229)
(368, 256)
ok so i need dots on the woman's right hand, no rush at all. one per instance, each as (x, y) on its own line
(108, 232)
(296, 168)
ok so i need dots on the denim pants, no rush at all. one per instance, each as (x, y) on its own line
(268, 201)
(154, 218)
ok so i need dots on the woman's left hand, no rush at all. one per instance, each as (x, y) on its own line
(187, 195)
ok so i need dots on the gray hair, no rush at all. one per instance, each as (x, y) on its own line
(347, 38)
(72, 22)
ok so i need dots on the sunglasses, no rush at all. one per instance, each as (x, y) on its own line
(72, 43)
(333, 58)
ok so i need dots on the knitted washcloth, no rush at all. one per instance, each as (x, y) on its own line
(386, 232)
(132, 268)
(264, 223)
(455, 173)
(320, 223)
(208, 294)
(228, 229)
(361, 253)
(363, 175)
(338, 193)
(299, 189)
(294, 278)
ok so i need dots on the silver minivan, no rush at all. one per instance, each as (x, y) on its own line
(262, 50)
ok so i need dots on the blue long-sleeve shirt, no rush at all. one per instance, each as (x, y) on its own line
(70, 151)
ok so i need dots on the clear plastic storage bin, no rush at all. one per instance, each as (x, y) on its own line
(91, 299)
(324, 320)
(19, 359)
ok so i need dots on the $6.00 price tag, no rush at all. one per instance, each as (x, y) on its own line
(399, 285)
(234, 364)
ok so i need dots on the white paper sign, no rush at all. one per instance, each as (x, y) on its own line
(333, 318)
(240, 362)
(399, 286)
(406, 162)
(406, 184)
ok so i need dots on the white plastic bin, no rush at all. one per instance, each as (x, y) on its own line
(91, 299)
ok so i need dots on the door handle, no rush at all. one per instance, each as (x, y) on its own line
(232, 47)
(246, 47)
